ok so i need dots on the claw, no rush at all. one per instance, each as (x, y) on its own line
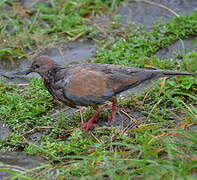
(87, 125)
(90, 123)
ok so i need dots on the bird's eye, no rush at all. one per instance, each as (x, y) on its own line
(36, 66)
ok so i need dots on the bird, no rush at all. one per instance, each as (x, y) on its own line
(92, 84)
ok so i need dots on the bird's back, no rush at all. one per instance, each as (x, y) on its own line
(89, 84)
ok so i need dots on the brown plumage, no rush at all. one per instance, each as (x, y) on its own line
(92, 84)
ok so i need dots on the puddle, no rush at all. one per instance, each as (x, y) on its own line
(180, 47)
(18, 162)
(146, 14)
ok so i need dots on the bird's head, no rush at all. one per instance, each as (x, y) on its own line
(41, 65)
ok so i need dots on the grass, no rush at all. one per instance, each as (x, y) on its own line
(138, 47)
(25, 30)
(162, 146)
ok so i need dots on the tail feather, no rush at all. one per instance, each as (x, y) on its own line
(155, 74)
(177, 73)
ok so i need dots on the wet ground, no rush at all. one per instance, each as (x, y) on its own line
(63, 54)
(143, 13)
(4, 131)
(147, 12)
(31, 3)
(17, 162)
(71, 52)
(179, 48)
(139, 12)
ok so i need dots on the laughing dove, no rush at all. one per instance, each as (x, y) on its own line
(92, 84)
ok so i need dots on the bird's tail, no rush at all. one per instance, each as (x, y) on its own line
(176, 73)
(155, 74)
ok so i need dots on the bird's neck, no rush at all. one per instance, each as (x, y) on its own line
(49, 76)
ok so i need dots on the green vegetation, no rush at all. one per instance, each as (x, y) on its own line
(47, 23)
(162, 145)
(135, 48)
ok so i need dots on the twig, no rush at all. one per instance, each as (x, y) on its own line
(99, 141)
(103, 128)
(153, 108)
(26, 84)
(162, 85)
(161, 6)
(132, 125)
(62, 110)
(77, 36)
(17, 85)
(71, 130)
(12, 167)
(100, 29)
(61, 53)
(146, 95)
(39, 127)
(172, 133)
(126, 114)
(81, 114)
(80, 109)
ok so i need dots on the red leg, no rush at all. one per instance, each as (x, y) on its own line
(90, 123)
(111, 117)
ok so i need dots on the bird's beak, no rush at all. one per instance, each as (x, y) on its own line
(27, 71)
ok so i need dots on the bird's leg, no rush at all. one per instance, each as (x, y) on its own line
(111, 117)
(91, 121)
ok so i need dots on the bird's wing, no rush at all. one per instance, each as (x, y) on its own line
(87, 85)
(90, 84)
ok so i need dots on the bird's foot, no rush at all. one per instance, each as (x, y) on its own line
(91, 123)
(111, 117)
(87, 125)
